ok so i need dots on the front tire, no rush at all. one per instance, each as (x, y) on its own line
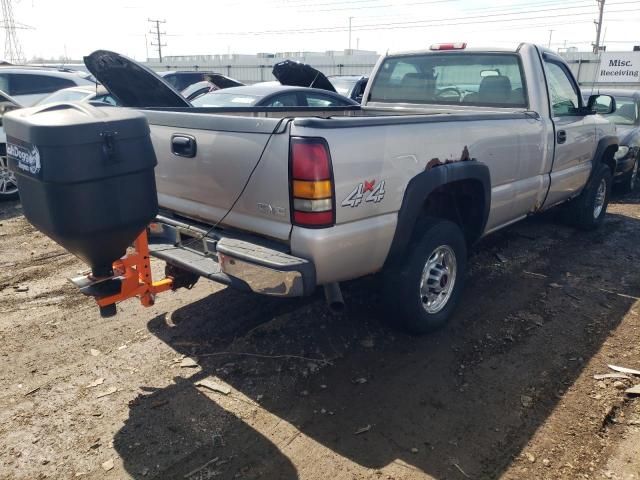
(423, 291)
(587, 211)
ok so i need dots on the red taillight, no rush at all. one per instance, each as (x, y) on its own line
(310, 161)
(449, 46)
(312, 193)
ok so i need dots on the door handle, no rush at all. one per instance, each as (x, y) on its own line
(562, 136)
(184, 146)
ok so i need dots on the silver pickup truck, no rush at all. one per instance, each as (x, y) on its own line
(450, 144)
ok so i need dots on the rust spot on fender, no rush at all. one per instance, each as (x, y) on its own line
(436, 162)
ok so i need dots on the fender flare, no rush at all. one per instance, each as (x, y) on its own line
(422, 185)
(604, 143)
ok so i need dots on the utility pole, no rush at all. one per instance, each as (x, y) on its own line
(550, 33)
(156, 31)
(12, 47)
(350, 18)
(596, 46)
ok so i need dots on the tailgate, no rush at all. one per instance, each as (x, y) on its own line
(204, 182)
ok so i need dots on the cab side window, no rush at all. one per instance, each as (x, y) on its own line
(564, 97)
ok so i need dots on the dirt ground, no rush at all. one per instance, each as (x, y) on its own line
(506, 390)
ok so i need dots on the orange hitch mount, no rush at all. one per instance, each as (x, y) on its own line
(131, 278)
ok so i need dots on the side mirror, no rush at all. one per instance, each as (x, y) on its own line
(602, 104)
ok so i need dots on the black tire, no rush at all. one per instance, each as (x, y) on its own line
(582, 210)
(407, 305)
(9, 196)
(630, 181)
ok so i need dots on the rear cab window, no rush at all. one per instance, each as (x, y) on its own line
(481, 79)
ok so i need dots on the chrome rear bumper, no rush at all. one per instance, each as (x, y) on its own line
(242, 262)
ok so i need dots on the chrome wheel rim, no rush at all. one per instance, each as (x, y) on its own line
(601, 194)
(634, 176)
(8, 184)
(438, 279)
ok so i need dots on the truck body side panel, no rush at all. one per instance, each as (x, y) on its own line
(364, 157)
(395, 153)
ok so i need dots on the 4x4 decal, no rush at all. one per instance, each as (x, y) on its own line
(367, 191)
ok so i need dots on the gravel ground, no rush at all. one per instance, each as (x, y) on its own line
(506, 390)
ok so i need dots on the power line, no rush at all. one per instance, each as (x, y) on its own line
(514, 9)
(490, 18)
(156, 31)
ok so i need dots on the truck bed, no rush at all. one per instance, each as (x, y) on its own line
(240, 177)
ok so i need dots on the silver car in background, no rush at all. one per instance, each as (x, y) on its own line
(27, 85)
(272, 95)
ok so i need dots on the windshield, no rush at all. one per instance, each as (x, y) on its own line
(343, 86)
(451, 79)
(215, 99)
(626, 112)
(64, 96)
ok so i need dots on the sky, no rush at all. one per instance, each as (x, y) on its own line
(73, 28)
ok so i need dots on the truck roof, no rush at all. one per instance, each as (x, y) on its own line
(512, 48)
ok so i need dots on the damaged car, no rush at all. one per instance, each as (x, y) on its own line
(352, 86)
(627, 120)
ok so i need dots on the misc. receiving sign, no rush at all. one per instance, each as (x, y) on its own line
(619, 67)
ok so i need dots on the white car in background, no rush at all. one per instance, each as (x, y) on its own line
(27, 85)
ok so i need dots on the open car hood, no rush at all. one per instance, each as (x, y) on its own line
(299, 74)
(132, 84)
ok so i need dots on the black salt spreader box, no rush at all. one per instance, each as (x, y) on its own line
(85, 174)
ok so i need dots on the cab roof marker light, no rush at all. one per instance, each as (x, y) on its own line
(449, 46)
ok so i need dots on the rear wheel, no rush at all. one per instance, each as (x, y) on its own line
(8, 184)
(423, 291)
(587, 211)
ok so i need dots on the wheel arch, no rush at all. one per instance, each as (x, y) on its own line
(605, 151)
(439, 193)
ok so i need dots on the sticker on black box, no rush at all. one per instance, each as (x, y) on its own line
(27, 157)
